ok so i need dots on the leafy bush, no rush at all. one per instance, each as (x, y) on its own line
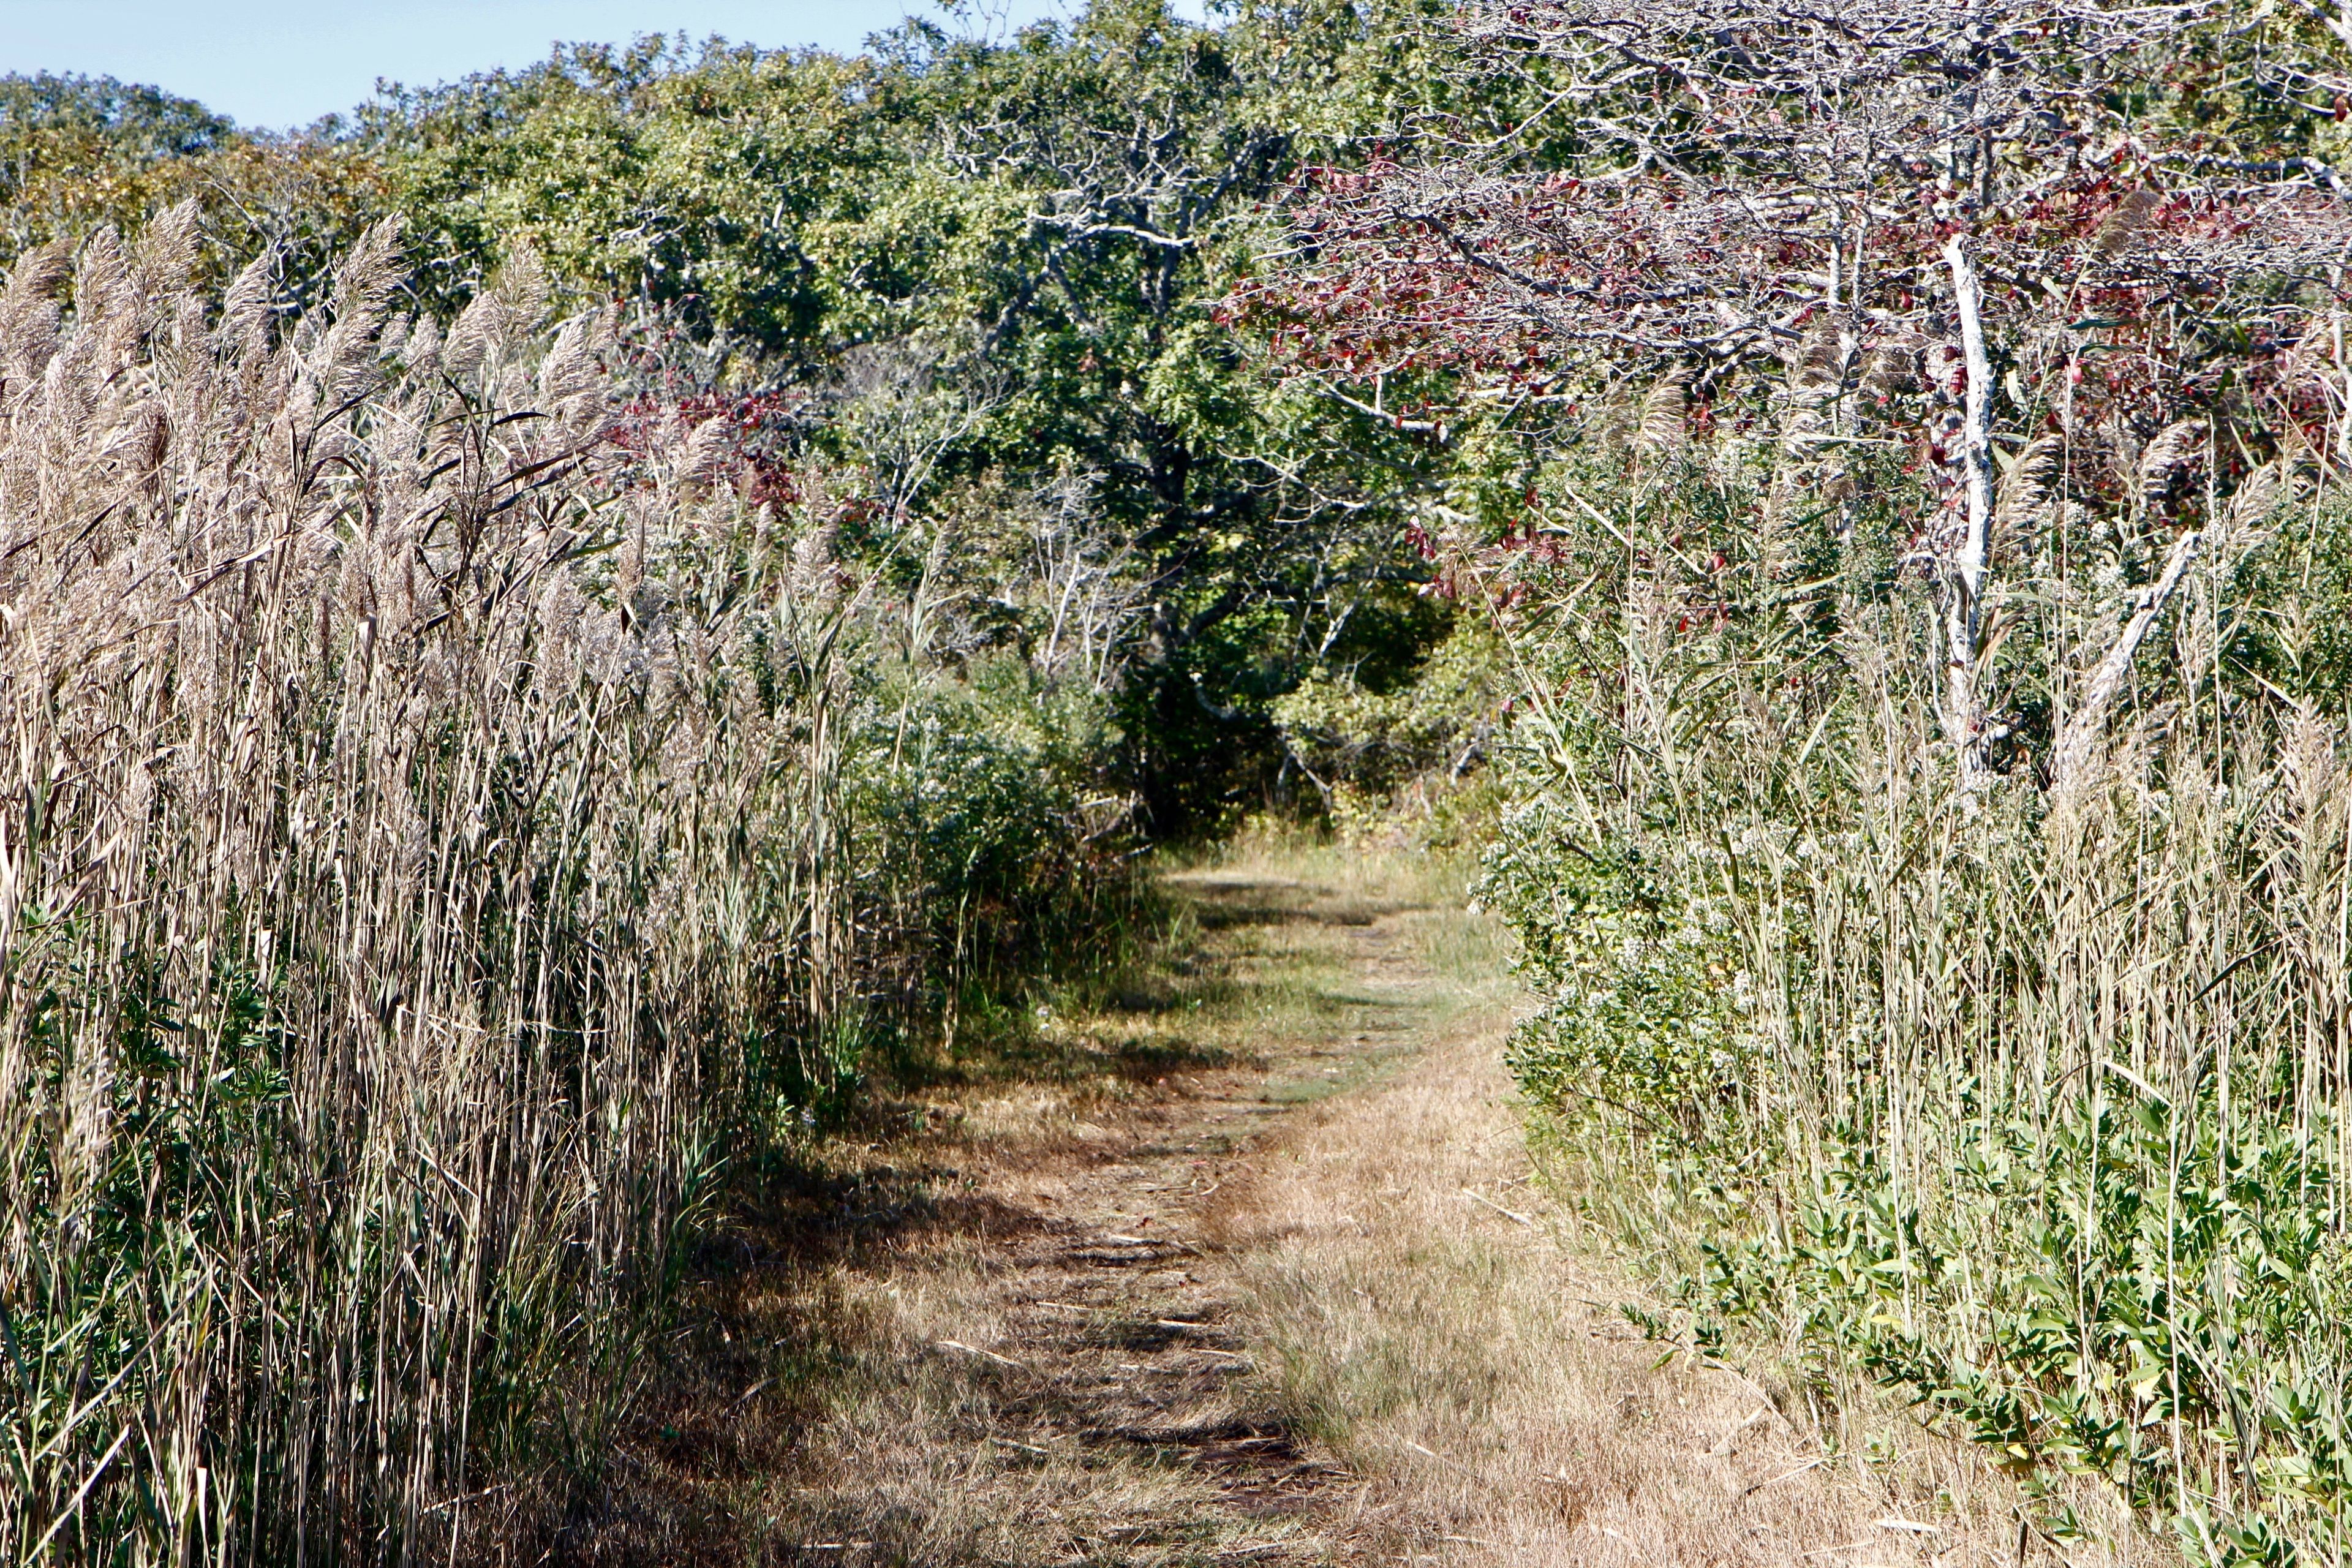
(1646, 998)
(996, 835)
(1373, 739)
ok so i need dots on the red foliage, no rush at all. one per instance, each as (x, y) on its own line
(1760, 182)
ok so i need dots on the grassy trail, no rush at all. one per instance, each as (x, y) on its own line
(1245, 1263)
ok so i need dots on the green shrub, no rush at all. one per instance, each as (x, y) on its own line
(1646, 998)
(1372, 740)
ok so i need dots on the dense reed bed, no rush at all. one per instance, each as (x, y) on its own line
(421, 866)
(2031, 1103)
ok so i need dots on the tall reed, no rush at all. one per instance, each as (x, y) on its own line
(419, 858)
(2033, 1104)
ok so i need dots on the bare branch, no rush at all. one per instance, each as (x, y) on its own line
(2078, 743)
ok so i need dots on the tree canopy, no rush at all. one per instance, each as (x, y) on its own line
(2073, 257)
(1019, 244)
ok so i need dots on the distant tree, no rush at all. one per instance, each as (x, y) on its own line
(79, 153)
(134, 125)
(1037, 228)
(78, 146)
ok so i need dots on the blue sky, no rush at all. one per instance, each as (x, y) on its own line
(282, 63)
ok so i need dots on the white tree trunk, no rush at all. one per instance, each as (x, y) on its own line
(1963, 585)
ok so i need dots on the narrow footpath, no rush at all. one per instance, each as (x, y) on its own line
(1246, 1263)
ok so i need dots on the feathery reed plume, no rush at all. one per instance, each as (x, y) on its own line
(1665, 408)
(387, 893)
(2174, 451)
(1890, 369)
(2118, 230)
(2032, 477)
(2261, 495)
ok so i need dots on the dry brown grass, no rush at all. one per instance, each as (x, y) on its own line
(994, 1333)
(1200, 1279)
(1432, 1316)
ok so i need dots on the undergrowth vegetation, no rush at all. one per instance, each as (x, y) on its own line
(2032, 1106)
(455, 817)
(1911, 516)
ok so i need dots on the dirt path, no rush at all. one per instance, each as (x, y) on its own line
(1243, 1263)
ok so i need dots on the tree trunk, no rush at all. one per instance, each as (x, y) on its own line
(1963, 581)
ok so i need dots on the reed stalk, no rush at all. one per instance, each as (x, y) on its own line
(419, 846)
(2028, 1098)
